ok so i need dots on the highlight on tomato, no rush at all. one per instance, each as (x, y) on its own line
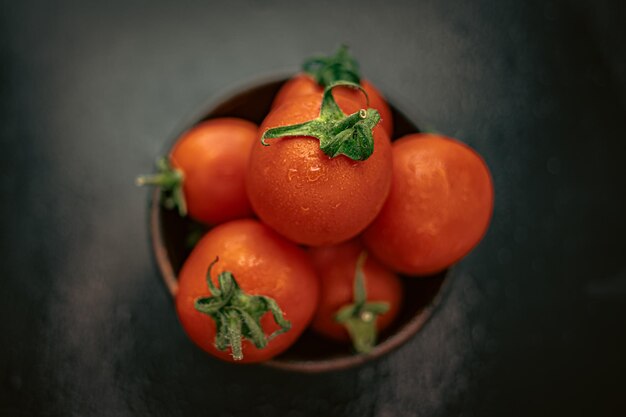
(438, 209)
(245, 293)
(204, 174)
(323, 71)
(322, 170)
(359, 297)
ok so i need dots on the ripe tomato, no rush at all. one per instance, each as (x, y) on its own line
(304, 194)
(303, 84)
(263, 264)
(209, 161)
(439, 207)
(336, 266)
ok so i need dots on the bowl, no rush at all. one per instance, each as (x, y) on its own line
(170, 235)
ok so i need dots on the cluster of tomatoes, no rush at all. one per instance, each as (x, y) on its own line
(314, 215)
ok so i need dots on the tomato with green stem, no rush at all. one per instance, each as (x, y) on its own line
(320, 72)
(329, 175)
(359, 297)
(439, 207)
(204, 173)
(245, 293)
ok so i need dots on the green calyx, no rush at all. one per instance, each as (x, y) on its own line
(237, 315)
(338, 133)
(359, 318)
(171, 182)
(329, 70)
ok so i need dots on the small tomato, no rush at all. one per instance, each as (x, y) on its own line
(338, 268)
(309, 190)
(439, 207)
(254, 301)
(204, 174)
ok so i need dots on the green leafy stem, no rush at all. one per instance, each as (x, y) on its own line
(360, 317)
(237, 315)
(338, 133)
(171, 182)
(329, 70)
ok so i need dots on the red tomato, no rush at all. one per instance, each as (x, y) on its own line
(208, 164)
(263, 264)
(439, 207)
(213, 157)
(335, 266)
(307, 196)
(303, 84)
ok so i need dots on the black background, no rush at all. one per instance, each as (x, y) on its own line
(535, 323)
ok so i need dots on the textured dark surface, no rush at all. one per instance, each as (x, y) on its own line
(535, 321)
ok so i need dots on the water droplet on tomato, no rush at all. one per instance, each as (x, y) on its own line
(314, 173)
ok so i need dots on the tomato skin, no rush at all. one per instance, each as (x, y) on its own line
(439, 207)
(335, 267)
(213, 157)
(305, 195)
(263, 263)
(303, 84)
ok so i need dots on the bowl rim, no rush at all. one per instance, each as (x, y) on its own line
(394, 341)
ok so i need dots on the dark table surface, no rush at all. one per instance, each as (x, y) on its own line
(535, 322)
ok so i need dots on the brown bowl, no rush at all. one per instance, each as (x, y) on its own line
(311, 353)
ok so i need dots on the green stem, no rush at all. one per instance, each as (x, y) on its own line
(359, 290)
(360, 317)
(338, 133)
(170, 181)
(234, 335)
(237, 315)
(327, 70)
(350, 121)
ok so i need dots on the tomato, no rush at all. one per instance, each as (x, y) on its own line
(263, 264)
(209, 161)
(336, 266)
(303, 84)
(439, 207)
(308, 196)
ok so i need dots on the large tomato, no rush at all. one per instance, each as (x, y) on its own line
(268, 271)
(308, 196)
(439, 207)
(303, 84)
(336, 267)
(205, 172)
